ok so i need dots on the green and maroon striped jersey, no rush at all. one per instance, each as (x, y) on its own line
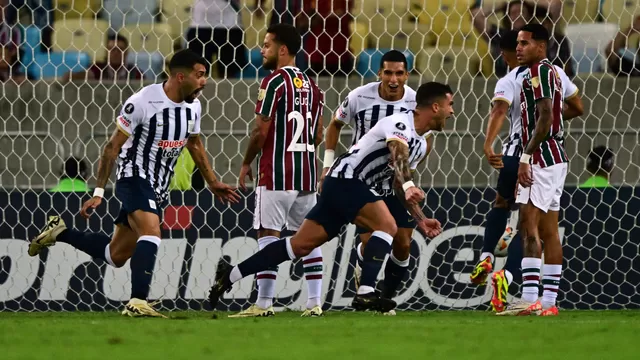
(294, 103)
(543, 81)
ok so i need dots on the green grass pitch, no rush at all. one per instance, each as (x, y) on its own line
(474, 335)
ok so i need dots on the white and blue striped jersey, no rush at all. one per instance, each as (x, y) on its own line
(158, 129)
(508, 89)
(369, 160)
(363, 108)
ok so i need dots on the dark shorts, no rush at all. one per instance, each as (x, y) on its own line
(398, 211)
(508, 178)
(135, 193)
(339, 203)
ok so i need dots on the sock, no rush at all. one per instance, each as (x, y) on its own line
(514, 260)
(551, 283)
(142, 263)
(93, 244)
(359, 255)
(531, 279)
(496, 224)
(377, 248)
(312, 264)
(272, 255)
(394, 272)
(266, 280)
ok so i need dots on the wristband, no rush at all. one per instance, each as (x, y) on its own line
(99, 192)
(407, 185)
(525, 159)
(328, 157)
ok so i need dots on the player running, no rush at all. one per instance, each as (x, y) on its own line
(541, 174)
(362, 109)
(506, 104)
(387, 153)
(288, 130)
(153, 127)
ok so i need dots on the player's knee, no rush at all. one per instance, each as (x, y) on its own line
(120, 257)
(501, 203)
(401, 248)
(388, 226)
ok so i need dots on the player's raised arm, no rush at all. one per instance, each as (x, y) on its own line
(128, 120)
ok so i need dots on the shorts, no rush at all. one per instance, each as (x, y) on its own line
(135, 193)
(508, 178)
(546, 191)
(340, 202)
(276, 209)
(398, 211)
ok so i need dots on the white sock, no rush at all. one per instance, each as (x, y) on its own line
(551, 275)
(509, 276)
(266, 280)
(363, 289)
(530, 279)
(312, 264)
(107, 256)
(485, 255)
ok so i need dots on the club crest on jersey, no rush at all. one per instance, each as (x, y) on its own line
(261, 94)
(401, 126)
(535, 82)
(128, 109)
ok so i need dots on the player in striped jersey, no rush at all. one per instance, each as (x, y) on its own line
(362, 109)
(506, 104)
(288, 130)
(384, 155)
(152, 128)
(541, 174)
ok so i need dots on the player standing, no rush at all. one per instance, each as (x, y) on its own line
(288, 130)
(153, 127)
(541, 174)
(362, 109)
(387, 153)
(506, 104)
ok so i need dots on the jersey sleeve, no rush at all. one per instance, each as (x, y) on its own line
(504, 91)
(418, 160)
(569, 89)
(131, 116)
(197, 118)
(395, 129)
(542, 81)
(346, 110)
(271, 89)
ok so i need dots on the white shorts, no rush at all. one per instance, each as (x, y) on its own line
(277, 209)
(546, 191)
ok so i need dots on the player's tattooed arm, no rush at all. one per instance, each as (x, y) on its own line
(199, 156)
(257, 139)
(109, 155)
(400, 161)
(545, 119)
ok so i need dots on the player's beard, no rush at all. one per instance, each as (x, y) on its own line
(192, 97)
(270, 63)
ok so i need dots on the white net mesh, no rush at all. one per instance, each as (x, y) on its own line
(52, 108)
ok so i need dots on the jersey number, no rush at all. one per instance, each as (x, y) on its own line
(296, 146)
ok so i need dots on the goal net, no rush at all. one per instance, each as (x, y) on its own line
(52, 108)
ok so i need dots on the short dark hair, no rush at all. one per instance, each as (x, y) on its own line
(74, 168)
(118, 37)
(429, 93)
(287, 35)
(538, 32)
(394, 56)
(186, 59)
(509, 40)
(600, 158)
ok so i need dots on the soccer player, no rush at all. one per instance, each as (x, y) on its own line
(152, 128)
(362, 109)
(541, 173)
(288, 130)
(506, 104)
(387, 153)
